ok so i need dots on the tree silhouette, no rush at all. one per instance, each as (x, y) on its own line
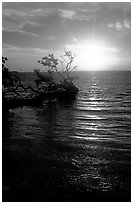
(15, 93)
(63, 67)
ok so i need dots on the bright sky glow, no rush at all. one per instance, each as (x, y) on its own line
(94, 55)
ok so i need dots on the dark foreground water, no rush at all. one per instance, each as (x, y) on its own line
(71, 151)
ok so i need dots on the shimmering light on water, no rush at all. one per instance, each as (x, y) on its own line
(87, 140)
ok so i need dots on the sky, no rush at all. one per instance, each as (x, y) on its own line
(98, 33)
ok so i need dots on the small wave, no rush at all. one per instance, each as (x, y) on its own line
(95, 138)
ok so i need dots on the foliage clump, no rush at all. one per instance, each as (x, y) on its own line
(63, 68)
(9, 79)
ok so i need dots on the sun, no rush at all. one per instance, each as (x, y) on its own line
(93, 55)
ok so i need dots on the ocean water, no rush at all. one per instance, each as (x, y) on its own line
(76, 150)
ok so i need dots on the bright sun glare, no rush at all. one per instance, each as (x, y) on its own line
(93, 55)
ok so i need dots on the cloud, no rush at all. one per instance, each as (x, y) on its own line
(67, 13)
(24, 51)
(119, 26)
(14, 18)
(127, 24)
(18, 31)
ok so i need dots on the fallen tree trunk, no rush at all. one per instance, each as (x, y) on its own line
(60, 94)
